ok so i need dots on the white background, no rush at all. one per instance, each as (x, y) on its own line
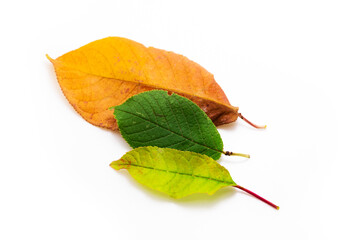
(293, 65)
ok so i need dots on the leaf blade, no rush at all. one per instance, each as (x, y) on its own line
(155, 118)
(173, 172)
(106, 72)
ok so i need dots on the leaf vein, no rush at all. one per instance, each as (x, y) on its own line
(170, 131)
(174, 172)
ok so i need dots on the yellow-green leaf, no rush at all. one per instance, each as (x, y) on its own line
(174, 172)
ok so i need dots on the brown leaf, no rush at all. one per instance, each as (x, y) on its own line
(106, 72)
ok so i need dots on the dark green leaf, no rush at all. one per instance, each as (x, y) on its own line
(155, 118)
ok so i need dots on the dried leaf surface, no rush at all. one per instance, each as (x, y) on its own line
(154, 118)
(108, 71)
(176, 173)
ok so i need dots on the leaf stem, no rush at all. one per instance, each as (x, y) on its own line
(254, 125)
(227, 153)
(258, 197)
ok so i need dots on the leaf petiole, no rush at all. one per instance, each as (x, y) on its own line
(254, 125)
(258, 197)
(227, 153)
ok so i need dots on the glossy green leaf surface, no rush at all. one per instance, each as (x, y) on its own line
(155, 118)
(174, 172)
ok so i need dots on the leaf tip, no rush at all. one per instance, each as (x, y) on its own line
(114, 165)
(120, 164)
(49, 58)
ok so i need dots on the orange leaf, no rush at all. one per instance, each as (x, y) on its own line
(106, 72)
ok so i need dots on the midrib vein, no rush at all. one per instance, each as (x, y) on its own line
(216, 150)
(174, 172)
(152, 86)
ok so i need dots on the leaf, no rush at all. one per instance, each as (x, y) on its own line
(106, 72)
(176, 173)
(155, 118)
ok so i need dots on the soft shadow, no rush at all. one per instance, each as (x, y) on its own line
(205, 200)
(195, 200)
(229, 127)
(233, 159)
